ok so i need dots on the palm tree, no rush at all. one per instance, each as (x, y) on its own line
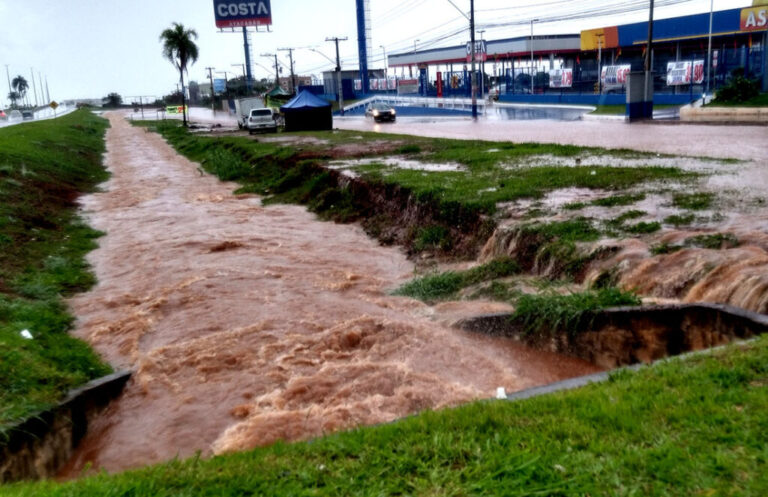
(20, 85)
(180, 49)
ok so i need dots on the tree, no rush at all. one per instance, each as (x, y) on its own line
(180, 49)
(20, 86)
(112, 100)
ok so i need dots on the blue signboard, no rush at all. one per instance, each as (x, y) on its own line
(219, 86)
(237, 14)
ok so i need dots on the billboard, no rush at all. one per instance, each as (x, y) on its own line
(679, 73)
(615, 76)
(219, 86)
(561, 78)
(236, 14)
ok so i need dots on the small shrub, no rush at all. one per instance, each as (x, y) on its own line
(408, 150)
(554, 313)
(738, 89)
(717, 241)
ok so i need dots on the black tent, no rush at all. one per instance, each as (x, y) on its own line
(306, 112)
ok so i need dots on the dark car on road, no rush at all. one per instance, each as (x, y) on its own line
(380, 112)
(28, 115)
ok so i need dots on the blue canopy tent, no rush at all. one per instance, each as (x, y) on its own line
(307, 112)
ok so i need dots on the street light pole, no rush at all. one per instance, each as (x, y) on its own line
(482, 68)
(532, 21)
(709, 46)
(648, 107)
(386, 70)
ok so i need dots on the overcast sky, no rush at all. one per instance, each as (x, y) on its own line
(89, 48)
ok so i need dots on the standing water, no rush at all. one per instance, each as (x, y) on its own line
(248, 324)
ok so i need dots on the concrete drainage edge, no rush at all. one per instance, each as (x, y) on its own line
(39, 446)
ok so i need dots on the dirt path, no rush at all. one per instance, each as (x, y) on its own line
(246, 324)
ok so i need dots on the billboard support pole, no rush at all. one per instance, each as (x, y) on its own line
(248, 76)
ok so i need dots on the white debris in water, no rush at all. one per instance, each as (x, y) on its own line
(26, 334)
(493, 150)
(501, 393)
(488, 190)
(399, 163)
(684, 163)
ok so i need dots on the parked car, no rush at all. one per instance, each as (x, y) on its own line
(28, 115)
(243, 108)
(263, 119)
(380, 112)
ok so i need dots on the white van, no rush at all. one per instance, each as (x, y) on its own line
(262, 120)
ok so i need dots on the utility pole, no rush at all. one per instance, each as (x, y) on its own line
(472, 54)
(276, 66)
(338, 71)
(290, 59)
(213, 92)
(599, 64)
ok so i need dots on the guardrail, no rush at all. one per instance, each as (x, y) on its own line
(428, 102)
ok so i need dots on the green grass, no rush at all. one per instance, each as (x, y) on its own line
(693, 201)
(447, 284)
(678, 220)
(552, 313)
(620, 110)
(43, 168)
(693, 427)
(758, 101)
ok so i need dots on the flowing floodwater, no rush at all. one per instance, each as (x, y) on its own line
(246, 324)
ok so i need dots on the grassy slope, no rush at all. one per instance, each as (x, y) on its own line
(43, 167)
(692, 427)
(495, 172)
(620, 110)
(759, 101)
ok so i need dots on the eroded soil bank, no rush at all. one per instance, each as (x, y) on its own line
(247, 324)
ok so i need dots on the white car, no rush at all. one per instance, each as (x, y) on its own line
(262, 120)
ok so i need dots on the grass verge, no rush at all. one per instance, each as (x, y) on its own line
(44, 166)
(555, 313)
(447, 284)
(686, 427)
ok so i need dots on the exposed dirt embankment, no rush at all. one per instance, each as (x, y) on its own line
(613, 338)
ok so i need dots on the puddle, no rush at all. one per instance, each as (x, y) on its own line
(399, 163)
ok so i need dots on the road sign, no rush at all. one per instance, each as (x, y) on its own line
(235, 14)
(53, 105)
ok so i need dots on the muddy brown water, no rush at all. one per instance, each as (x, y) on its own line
(247, 324)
